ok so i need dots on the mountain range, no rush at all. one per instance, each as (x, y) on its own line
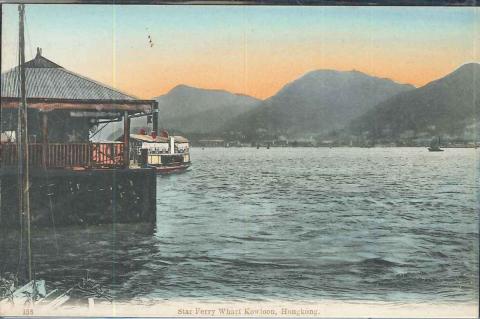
(446, 106)
(323, 102)
(317, 103)
(191, 111)
(194, 110)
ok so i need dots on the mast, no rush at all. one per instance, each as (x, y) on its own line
(22, 138)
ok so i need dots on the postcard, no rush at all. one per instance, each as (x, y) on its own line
(228, 160)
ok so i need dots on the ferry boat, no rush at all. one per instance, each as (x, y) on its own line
(167, 154)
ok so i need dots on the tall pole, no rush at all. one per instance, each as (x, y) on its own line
(126, 140)
(23, 145)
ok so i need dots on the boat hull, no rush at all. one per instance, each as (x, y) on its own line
(435, 149)
(171, 169)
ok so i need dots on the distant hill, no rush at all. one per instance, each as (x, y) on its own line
(191, 111)
(316, 103)
(445, 106)
(194, 110)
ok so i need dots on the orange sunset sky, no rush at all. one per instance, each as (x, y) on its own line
(253, 50)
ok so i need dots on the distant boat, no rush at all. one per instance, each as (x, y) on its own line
(435, 145)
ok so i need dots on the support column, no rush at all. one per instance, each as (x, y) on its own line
(155, 117)
(126, 140)
(44, 140)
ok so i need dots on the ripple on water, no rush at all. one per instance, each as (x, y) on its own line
(379, 224)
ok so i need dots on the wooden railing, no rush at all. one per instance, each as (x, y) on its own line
(84, 155)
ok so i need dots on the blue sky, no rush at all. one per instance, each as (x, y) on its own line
(246, 49)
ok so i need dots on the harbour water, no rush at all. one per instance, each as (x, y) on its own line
(385, 224)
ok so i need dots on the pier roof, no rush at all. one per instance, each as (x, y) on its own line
(50, 86)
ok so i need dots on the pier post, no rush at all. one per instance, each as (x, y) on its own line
(153, 197)
(155, 117)
(44, 140)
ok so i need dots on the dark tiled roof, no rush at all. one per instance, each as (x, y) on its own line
(46, 79)
(41, 62)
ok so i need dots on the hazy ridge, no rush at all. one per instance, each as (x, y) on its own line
(326, 104)
(447, 106)
(316, 103)
(195, 110)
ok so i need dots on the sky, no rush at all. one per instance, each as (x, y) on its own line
(253, 50)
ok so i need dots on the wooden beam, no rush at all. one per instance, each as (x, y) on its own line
(84, 101)
(50, 106)
(126, 140)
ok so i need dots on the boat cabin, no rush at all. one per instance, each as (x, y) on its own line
(164, 152)
(64, 108)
